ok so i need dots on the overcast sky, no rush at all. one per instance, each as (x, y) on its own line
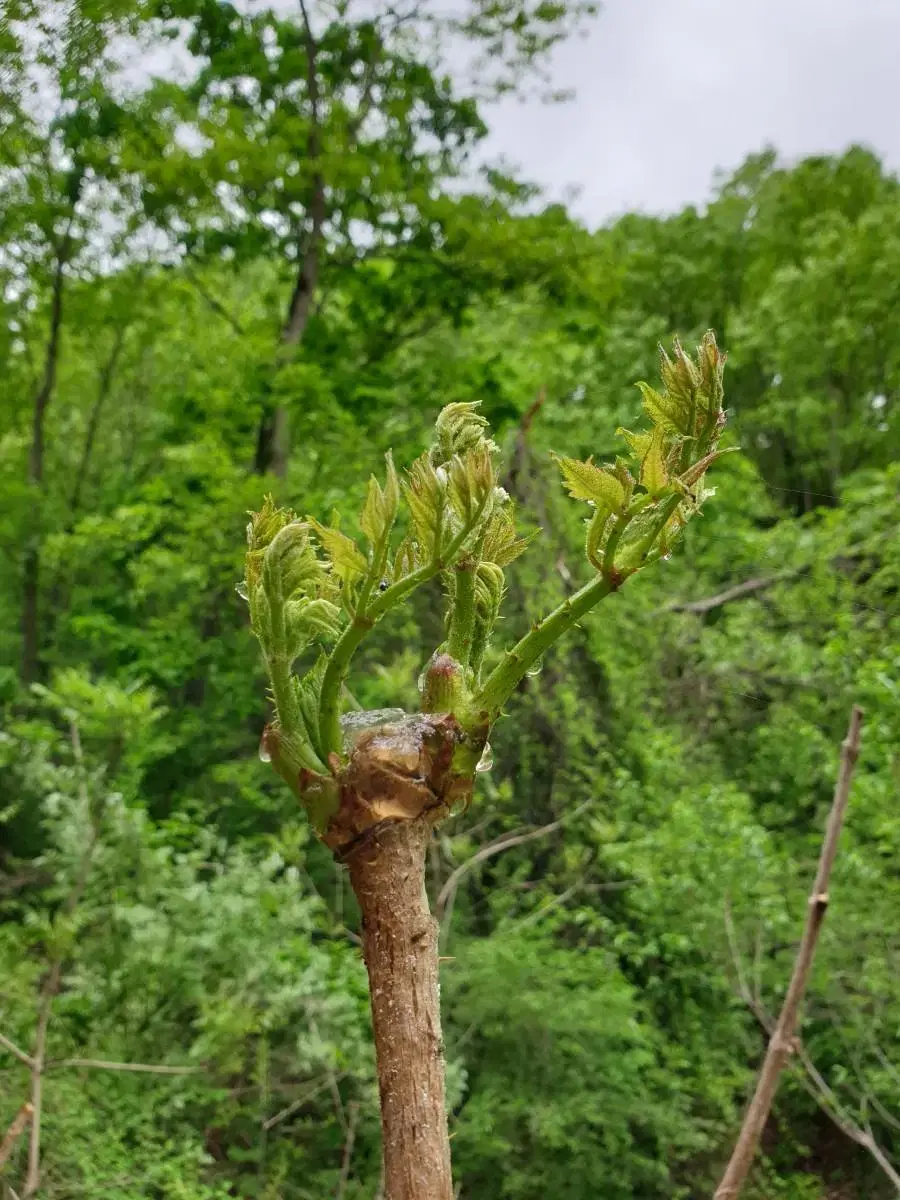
(670, 90)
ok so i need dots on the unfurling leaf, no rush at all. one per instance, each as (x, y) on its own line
(347, 560)
(380, 507)
(586, 481)
(680, 375)
(261, 529)
(426, 495)
(712, 369)
(673, 414)
(404, 560)
(490, 584)
(597, 529)
(307, 689)
(460, 427)
(654, 475)
(699, 469)
(471, 482)
(307, 621)
(490, 587)
(501, 544)
(639, 442)
(290, 565)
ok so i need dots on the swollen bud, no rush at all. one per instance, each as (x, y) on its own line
(442, 685)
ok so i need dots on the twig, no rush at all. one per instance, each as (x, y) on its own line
(295, 1104)
(333, 1079)
(782, 1043)
(104, 386)
(448, 891)
(51, 987)
(886, 1062)
(813, 1081)
(15, 1051)
(52, 982)
(15, 1131)
(738, 592)
(101, 1064)
(214, 303)
(553, 901)
(348, 1149)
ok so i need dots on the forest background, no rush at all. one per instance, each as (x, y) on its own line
(257, 275)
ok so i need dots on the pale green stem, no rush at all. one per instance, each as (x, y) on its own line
(346, 646)
(609, 551)
(330, 696)
(379, 557)
(462, 620)
(283, 691)
(289, 714)
(502, 681)
(667, 508)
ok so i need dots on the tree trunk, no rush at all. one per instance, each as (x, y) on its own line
(43, 396)
(400, 947)
(104, 386)
(273, 443)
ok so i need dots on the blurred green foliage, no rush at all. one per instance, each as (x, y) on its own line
(597, 1044)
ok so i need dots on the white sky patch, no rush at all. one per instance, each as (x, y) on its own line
(670, 91)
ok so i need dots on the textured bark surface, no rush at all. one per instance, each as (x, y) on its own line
(400, 946)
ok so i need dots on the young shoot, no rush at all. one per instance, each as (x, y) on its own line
(375, 784)
(311, 584)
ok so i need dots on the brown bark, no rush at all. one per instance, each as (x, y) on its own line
(400, 947)
(781, 1044)
(397, 783)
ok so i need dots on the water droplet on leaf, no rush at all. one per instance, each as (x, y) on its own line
(265, 754)
(535, 668)
(487, 759)
(241, 589)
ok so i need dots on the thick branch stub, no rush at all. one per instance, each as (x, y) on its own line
(398, 772)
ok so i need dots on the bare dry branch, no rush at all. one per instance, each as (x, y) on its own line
(102, 1064)
(813, 1081)
(291, 1108)
(783, 1042)
(15, 1131)
(552, 902)
(348, 1150)
(48, 993)
(748, 588)
(444, 902)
